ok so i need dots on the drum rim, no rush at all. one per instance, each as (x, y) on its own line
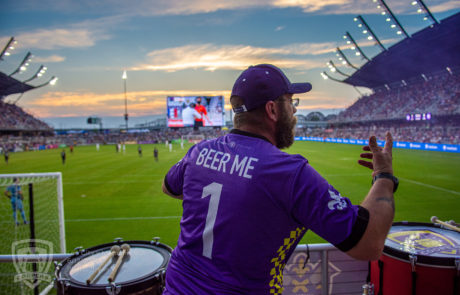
(154, 275)
(421, 259)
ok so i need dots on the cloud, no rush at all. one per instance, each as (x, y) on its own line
(211, 57)
(49, 59)
(180, 7)
(141, 103)
(279, 28)
(78, 35)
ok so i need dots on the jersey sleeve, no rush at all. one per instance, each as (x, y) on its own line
(319, 206)
(174, 179)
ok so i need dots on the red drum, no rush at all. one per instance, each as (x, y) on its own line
(142, 271)
(418, 258)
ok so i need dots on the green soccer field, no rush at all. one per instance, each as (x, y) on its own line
(109, 194)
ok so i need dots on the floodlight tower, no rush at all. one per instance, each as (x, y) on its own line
(368, 30)
(355, 46)
(425, 9)
(344, 59)
(24, 64)
(386, 10)
(334, 69)
(38, 74)
(9, 46)
(125, 77)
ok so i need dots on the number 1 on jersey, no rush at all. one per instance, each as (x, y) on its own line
(214, 190)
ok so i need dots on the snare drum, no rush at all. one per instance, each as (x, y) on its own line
(142, 271)
(418, 258)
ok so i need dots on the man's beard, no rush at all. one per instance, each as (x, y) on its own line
(285, 129)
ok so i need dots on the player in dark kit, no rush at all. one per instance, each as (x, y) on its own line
(155, 154)
(63, 156)
(246, 204)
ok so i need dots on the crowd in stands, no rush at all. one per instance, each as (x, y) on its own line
(438, 95)
(15, 118)
(383, 111)
(444, 132)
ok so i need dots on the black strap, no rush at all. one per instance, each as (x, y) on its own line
(380, 277)
(414, 283)
(368, 279)
(456, 282)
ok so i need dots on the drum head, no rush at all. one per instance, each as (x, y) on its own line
(142, 261)
(431, 244)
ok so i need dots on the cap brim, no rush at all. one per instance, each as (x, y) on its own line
(299, 87)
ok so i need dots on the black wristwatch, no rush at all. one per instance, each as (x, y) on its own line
(389, 176)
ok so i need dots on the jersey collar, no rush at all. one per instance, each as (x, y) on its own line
(245, 133)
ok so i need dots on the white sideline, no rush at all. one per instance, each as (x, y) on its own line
(431, 186)
(121, 218)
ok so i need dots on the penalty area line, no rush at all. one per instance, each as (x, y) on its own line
(122, 218)
(431, 186)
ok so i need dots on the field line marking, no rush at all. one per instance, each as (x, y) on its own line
(122, 218)
(431, 186)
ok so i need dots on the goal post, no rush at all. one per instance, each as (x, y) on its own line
(39, 229)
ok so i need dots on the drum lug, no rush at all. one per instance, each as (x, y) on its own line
(113, 289)
(78, 250)
(413, 261)
(156, 240)
(118, 240)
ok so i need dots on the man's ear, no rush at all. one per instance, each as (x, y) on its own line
(271, 111)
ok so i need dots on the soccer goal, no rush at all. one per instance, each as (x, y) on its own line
(42, 231)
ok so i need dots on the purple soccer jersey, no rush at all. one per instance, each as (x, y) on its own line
(246, 205)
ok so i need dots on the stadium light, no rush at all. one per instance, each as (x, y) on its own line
(125, 77)
(424, 8)
(9, 46)
(24, 64)
(344, 59)
(335, 69)
(326, 76)
(53, 81)
(386, 10)
(372, 35)
(38, 74)
(358, 51)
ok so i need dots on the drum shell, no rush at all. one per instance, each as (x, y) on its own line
(397, 278)
(151, 284)
(434, 273)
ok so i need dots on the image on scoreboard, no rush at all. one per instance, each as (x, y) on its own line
(183, 111)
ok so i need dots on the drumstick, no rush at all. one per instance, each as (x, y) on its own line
(125, 249)
(434, 219)
(113, 251)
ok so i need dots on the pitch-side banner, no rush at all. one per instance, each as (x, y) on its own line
(451, 148)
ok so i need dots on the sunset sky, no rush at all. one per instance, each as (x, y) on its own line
(195, 47)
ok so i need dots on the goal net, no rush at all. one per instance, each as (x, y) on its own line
(42, 231)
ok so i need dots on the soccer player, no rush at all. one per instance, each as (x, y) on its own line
(201, 109)
(155, 154)
(14, 193)
(139, 151)
(246, 204)
(6, 154)
(63, 157)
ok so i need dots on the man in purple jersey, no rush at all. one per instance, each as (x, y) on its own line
(246, 204)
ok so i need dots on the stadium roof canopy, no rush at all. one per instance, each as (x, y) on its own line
(429, 50)
(9, 85)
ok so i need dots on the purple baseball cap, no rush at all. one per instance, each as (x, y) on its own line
(261, 83)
